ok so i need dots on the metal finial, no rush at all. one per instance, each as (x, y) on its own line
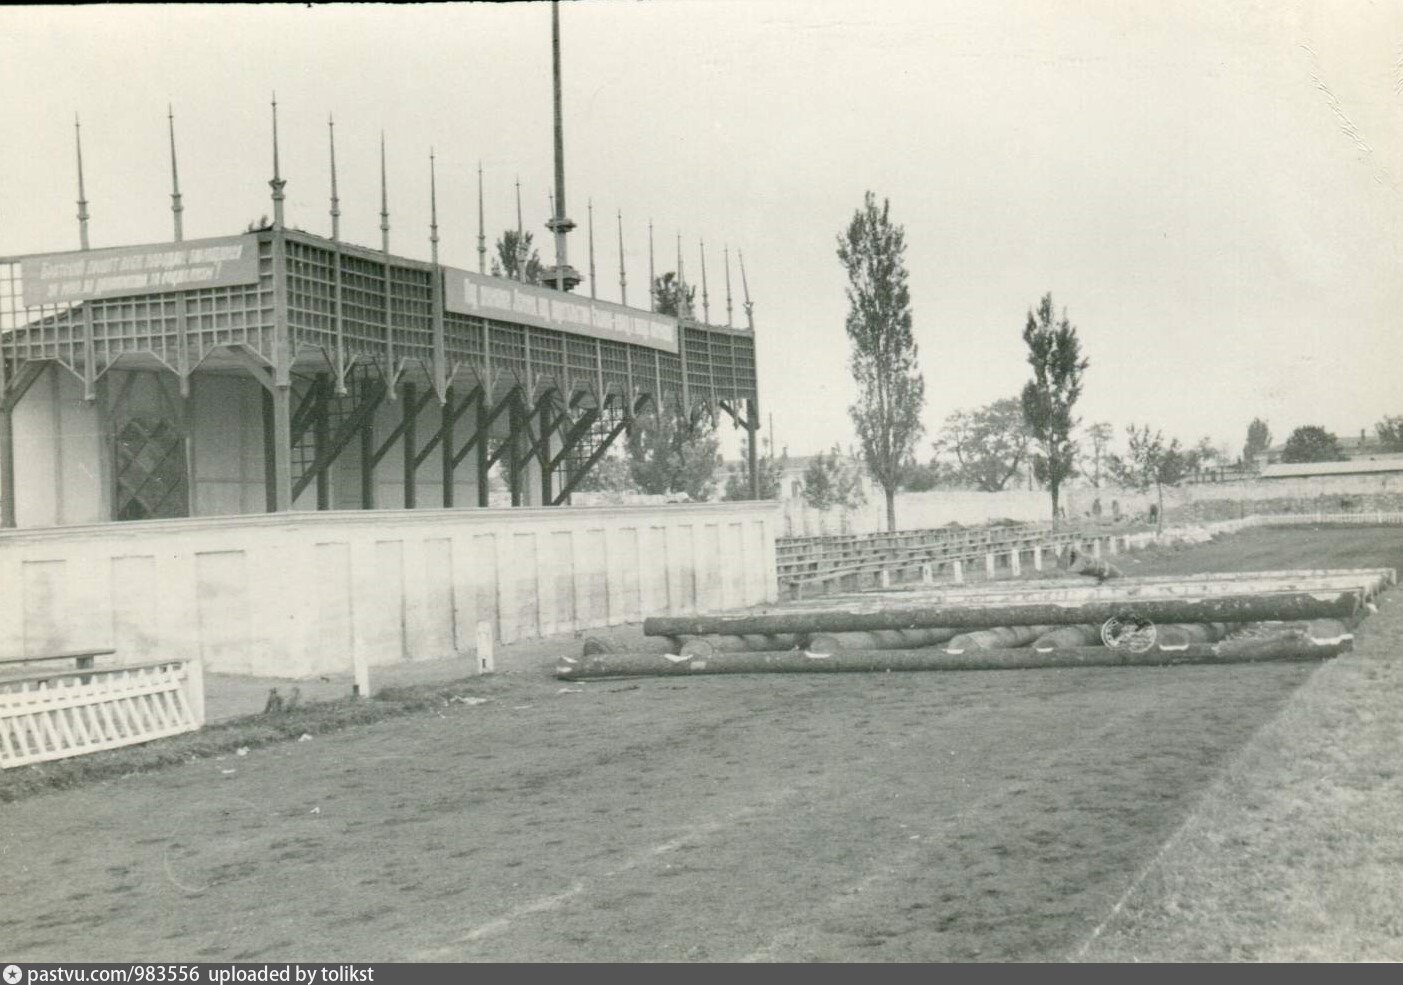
(335, 199)
(82, 194)
(623, 278)
(726, 253)
(559, 224)
(590, 207)
(684, 310)
(706, 298)
(384, 201)
(278, 183)
(745, 286)
(433, 209)
(481, 227)
(176, 207)
(652, 273)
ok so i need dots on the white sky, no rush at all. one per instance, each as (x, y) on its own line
(1212, 190)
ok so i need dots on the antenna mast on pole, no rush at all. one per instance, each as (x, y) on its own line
(82, 195)
(176, 207)
(335, 200)
(278, 182)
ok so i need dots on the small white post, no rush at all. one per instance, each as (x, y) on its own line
(195, 690)
(885, 578)
(1037, 558)
(927, 574)
(989, 562)
(486, 659)
(1113, 546)
(1096, 548)
(1015, 562)
(360, 688)
(958, 567)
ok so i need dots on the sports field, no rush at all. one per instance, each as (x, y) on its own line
(1019, 815)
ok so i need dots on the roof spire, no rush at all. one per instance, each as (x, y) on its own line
(278, 182)
(335, 199)
(706, 298)
(652, 274)
(520, 237)
(748, 304)
(684, 310)
(590, 206)
(481, 228)
(384, 201)
(623, 279)
(82, 195)
(726, 252)
(433, 210)
(176, 207)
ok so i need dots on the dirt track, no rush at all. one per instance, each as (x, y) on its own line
(929, 817)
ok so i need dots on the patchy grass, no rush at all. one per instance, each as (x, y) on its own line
(249, 732)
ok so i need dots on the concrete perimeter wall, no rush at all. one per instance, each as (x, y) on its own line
(302, 595)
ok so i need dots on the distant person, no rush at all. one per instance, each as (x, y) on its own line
(1154, 513)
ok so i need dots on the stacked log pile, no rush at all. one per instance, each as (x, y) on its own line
(1219, 618)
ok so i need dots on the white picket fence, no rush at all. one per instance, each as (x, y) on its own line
(59, 714)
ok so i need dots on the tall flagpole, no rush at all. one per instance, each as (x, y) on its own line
(726, 252)
(592, 294)
(176, 207)
(433, 210)
(520, 237)
(652, 274)
(384, 201)
(623, 279)
(481, 226)
(745, 285)
(706, 298)
(278, 182)
(335, 200)
(565, 278)
(82, 195)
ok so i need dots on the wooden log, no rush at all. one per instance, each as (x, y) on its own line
(1084, 634)
(1173, 636)
(999, 637)
(937, 658)
(1328, 604)
(734, 643)
(880, 639)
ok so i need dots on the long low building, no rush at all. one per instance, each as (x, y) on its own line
(282, 370)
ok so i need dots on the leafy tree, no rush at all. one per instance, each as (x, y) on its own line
(1151, 463)
(1312, 444)
(830, 481)
(1258, 441)
(989, 444)
(671, 453)
(1054, 352)
(1100, 435)
(882, 357)
(769, 472)
(1390, 432)
(934, 475)
(668, 297)
(510, 253)
(611, 474)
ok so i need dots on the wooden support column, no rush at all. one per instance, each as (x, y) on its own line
(321, 433)
(752, 427)
(547, 425)
(446, 444)
(482, 424)
(277, 447)
(7, 466)
(514, 462)
(411, 450)
(367, 464)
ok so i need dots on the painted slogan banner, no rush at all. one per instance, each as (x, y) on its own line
(506, 300)
(125, 270)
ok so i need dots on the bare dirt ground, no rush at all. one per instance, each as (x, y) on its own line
(909, 817)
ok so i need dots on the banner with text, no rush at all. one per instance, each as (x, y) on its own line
(506, 300)
(57, 278)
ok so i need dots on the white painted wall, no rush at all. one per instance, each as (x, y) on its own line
(58, 478)
(299, 596)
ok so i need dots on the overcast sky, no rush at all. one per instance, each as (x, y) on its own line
(1212, 191)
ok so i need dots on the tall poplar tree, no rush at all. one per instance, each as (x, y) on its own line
(891, 390)
(1054, 352)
